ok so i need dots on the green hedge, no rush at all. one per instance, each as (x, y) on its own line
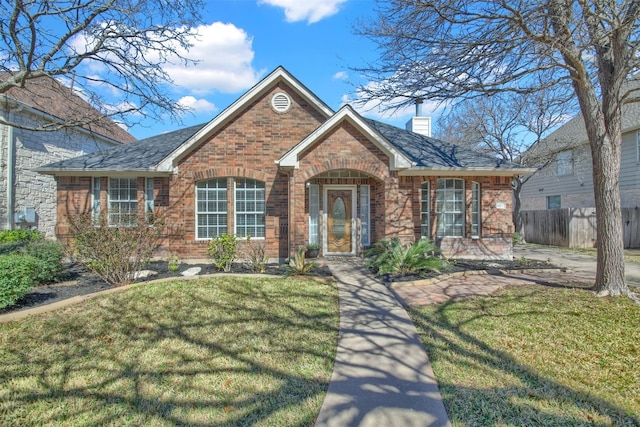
(48, 255)
(17, 277)
(20, 235)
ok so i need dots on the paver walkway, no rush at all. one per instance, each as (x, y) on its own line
(382, 375)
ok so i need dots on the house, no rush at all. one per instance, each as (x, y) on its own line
(27, 198)
(566, 180)
(280, 166)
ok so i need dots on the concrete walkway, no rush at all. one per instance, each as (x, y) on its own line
(382, 375)
(583, 264)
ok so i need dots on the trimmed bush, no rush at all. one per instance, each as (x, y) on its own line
(223, 251)
(48, 255)
(17, 276)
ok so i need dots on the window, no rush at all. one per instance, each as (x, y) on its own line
(123, 201)
(314, 213)
(365, 215)
(450, 207)
(250, 208)
(425, 217)
(475, 209)
(638, 147)
(564, 163)
(95, 201)
(211, 208)
(149, 204)
(553, 202)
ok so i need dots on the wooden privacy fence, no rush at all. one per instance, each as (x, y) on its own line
(575, 227)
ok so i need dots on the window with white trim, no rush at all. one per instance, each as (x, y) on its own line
(314, 213)
(425, 208)
(149, 203)
(450, 207)
(95, 200)
(211, 208)
(250, 208)
(475, 209)
(365, 215)
(123, 202)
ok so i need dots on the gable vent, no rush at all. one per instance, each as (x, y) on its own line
(281, 102)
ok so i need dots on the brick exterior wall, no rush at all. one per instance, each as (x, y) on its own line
(247, 148)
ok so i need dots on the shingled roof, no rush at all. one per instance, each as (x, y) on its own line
(431, 153)
(142, 155)
(50, 97)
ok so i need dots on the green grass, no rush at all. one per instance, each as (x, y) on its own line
(536, 356)
(224, 351)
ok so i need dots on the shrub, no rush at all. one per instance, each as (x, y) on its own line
(515, 238)
(113, 253)
(173, 263)
(256, 253)
(299, 266)
(17, 273)
(19, 235)
(389, 256)
(48, 255)
(222, 250)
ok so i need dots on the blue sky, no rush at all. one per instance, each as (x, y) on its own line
(243, 40)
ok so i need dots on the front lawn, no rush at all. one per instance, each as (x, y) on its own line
(223, 351)
(536, 356)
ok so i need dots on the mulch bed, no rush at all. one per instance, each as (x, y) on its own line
(79, 281)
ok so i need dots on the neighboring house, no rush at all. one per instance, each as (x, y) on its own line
(567, 179)
(280, 166)
(27, 198)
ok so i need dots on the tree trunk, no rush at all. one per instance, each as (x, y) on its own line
(517, 206)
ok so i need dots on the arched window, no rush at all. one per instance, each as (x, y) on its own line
(211, 208)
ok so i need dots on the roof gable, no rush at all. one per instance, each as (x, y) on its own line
(397, 160)
(280, 74)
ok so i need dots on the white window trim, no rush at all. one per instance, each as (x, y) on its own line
(365, 213)
(225, 212)
(314, 214)
(463, 212)
(110, 200)
(95, 200)
(149, 200)
(428, 211)
(235, 204)
(638, 146)
(476, 195)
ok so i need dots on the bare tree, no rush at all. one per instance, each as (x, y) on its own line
(111, 51)
(451, 49)
(506, 125)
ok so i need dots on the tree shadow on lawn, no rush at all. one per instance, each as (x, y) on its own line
(240, 355)
(528, 397)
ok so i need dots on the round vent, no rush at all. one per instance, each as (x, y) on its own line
(281, 102)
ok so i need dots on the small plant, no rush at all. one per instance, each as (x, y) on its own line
(515, 237)
(222, 250)
(256, 253)
(389, 256)
(524, 262)
(173, 263)
(313, 246)
(313, 249)
(17, 277)
(299, 266)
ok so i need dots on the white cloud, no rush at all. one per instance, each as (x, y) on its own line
(310, 10)
(386, 109)
(341, 75)
(224, 52)
(197, 105)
